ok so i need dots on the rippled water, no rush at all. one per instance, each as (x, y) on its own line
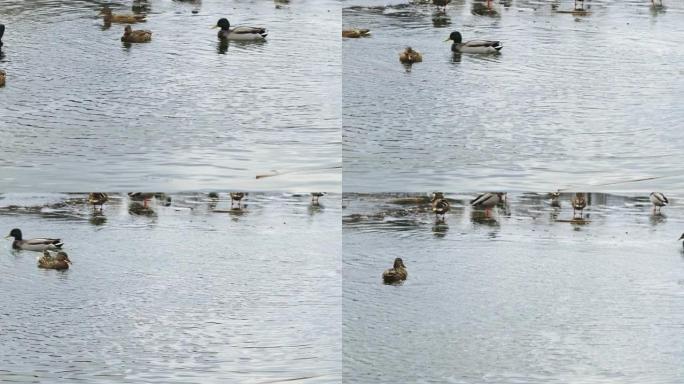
(583, 102)
(183, 112)
(191, 293)
(525, 296)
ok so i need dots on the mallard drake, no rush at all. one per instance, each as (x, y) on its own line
(441, 3)
(3, 75)
(239, 33)
(36, 245)
(236, 196)
(410, 56)
(396, 274)
(315, 196)
(579, 202)
(473, 46)
(440, 205)
(488, 200)
(59, 261)
(136, 36)
(659, 200)
(354, 33)
(97, 198)
(110, 17)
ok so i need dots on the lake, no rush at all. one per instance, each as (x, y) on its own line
(192, 292)
(183, 112)
(526, 295)
(579, 102)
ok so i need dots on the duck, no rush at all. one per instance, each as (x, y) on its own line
(141, 196)
(236, 196)
(473, 46)
(579, 202)
(395, 274)
(3, 75)
(59, 261)
(659, 200)
(441, 3)
(410, 56)
(136, 36)
(110, 17)
(97, 198)
(240, 33)
(36, 245)
(315, 196)
(555, 199)
(355, 33)
(440, 205)
(213, 195)
(488, 200)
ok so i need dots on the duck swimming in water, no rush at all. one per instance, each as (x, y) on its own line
(60, 261)
(137, 36)
(396, 274)
(355, 33)
(236, 196)
(410, 56)
(473, 46)
(97, 198)
(440, 205)
(110, 17)
(240, 32)
(579, 202)
(36, 245)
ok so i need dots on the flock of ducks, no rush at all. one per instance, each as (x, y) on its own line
(130, 35)
(440, 207)
(55, 258)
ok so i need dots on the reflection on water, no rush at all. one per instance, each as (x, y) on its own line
(187, 294)
(527, 296)
(573, 101)
(173, 114)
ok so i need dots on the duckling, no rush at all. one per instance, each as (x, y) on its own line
(3, 75)
(473, 46)
(137, 36)
(440, 205)
(60, 261)
(36, 245)
(579, 202)
(410, 56)
(441, 3)
(110, 17)
(355, 33)
(396, 274)
(97, 198)
(240, 33)
(315, 196)
(659, 200)
(236, 196)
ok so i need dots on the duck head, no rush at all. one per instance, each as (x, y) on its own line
(399, 263)
(455, 37)
(128, 30)
(16, 233)
(62, 256)
(223, 23)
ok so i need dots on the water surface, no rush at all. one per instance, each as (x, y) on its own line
(183, 112)
(581, 102)
(525, 295)
(189, 293)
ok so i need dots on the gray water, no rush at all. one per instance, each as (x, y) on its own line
(524, 296)
(580, 102)
(182, 112)
(189, 293)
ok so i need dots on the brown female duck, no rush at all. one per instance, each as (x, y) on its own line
(58, 261)
(396, 274)
(410, 56)
(136, 36)
(110, 17)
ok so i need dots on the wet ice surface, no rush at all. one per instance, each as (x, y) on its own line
(81, 110)
(193, 292)
(524, 296)
(578, 102)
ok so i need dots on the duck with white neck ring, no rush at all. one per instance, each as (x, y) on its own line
(240, 33)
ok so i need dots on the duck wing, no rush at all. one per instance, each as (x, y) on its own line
(248, 30)
(482, 43)
(44, 241)
(482, 198)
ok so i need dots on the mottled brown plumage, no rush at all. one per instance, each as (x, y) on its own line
(58, 261)
(410, 56)
(136, 36)
(396, 274)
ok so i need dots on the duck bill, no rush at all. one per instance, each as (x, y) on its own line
(449, 39)
(8, 236)
(214, 26)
